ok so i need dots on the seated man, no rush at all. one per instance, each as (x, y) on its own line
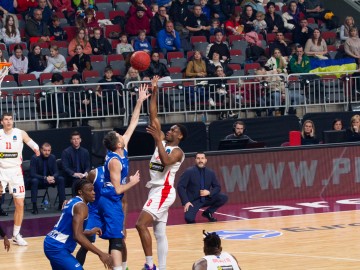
(197, 188)
(169, 39)
(238, 132)
(36, 30)
(44, 171)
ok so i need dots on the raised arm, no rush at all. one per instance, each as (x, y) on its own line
(33, 145)
(154, 120)
(115, 174)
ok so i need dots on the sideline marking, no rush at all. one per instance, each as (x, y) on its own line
(227, 215)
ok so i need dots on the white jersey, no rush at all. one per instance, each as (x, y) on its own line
(11, 146)
(224, 262)
(160, 174)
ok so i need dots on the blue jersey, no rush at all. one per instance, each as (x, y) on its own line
(61, 237)
(108, 190)
(98, 184)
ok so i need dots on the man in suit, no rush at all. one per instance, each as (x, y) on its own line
(197, 188)
(75, 160)
(44, 171)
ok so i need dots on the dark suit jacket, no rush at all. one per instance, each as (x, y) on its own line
(37, 167)
(68, 160)
(190, 184)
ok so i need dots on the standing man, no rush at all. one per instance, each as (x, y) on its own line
(238, 132)
(164, 164)
(116, 170)
(198, 187)
(75, 160)
(214, 257)
(11, 146)
(44, 170)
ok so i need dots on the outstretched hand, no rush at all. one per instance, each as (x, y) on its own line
(143, 92)
(155, 132)
(154, 82)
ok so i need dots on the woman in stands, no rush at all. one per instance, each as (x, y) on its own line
(80, 39)
(132, 76)
(292, 17)
(247, 18)
(337, 124)
(345, 28)
(90, 22)
(233, 26)
(352, 44)
(56, 62)
(308, 133)
(80, 61)
(215, 62)
(2, 57)
(196, 67)
(37, 61)
(273, 20)
(9, 33)
(277, 62)
(316, 46)
(353, 132)
(19, 62)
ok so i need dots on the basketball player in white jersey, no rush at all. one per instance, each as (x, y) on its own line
(214, 258)
(11, 146)
(164, 164)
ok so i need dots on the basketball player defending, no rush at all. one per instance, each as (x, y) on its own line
(164, 164)
(115, 185)
(11, 146)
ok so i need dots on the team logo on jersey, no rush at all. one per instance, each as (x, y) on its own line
(251, 234)
(168, 151)
(14, 138)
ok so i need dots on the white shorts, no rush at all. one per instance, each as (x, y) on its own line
(15, 179)
(159, 201)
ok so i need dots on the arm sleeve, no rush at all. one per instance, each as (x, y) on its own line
(182, 185)
(54, 165)
(177, 41)
(33, 171)
(65, 159)
(215, 187)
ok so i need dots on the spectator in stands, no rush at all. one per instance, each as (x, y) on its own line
(90, 21)
(124, 47)
(292, 16)
(233, 26)
(80, 39)
(132, 75)
(273, 20)
(280, 44)
(316, 46)
(196, 67)
(46, 8)
(36, 30)
(158, 21)
(19, 62)
(83, 5)
(55, 62)
(353, 132)
(352, 44)
(247, 18)
(137, 5)
(206, 9)
(141, 43)
(238, 132)
(87, 3)
(138, 22)
(23, 6)
(337, 124)
(169, 39)
(155, 68)
(65, 7)
(299, 63)
(75, 160)
(214, 62)
(260, 25)
(197, 23)
(302, 32)
(219, 10)
(314, 9)
(179, 12)
(9, 33)
(277, 62)
(154, 8)
(99, 44)
(44, 172)
(2, 57)
(345, 28)
(80, 61)
(37, 61)
(308, 133)
(218, 46)
(215, 25)
(7, 7)
(56, 30)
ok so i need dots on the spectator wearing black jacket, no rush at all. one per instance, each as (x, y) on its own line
(37, 61)
(80, 61)
(218, 46)
(214, 62)
(280, 44)
(219, 10)
(273, 20)
(247, 17)
(197, 23)
(158, 22)
(99, 44)
(155, 68)
(56, 30)
(179, 11)
(302, 33)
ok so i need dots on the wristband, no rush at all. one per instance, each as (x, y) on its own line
(33, 145)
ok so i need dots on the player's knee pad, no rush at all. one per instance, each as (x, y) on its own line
(115, 243)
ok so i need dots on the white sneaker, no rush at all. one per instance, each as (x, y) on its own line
(18, 240)
(212, 102)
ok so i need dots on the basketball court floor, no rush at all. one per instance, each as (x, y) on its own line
(312, 234)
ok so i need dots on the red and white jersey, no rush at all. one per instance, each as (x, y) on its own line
(163, 175)
(11, 146)
(225, 262)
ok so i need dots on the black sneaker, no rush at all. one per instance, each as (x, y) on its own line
(209, 216)
(3, 213)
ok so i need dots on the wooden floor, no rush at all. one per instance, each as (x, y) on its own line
(314, 245)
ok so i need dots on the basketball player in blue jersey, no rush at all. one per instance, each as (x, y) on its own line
(96, 176)
(115, 172)
(164, 164)
(69, 230)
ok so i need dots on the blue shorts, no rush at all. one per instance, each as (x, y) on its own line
(93, 221)
(61, 259)
(112, 218)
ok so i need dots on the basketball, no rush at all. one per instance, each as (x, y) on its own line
(140, 60)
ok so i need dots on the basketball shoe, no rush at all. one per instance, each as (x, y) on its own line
(18, 240)
(147, 267)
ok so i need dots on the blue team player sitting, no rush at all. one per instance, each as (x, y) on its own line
(69, 230)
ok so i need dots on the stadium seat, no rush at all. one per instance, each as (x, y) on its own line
(212, 39)
(124, 6)
(11, 46)
(178, 62)
(329, 37)
(99, 66)
(115, 57)
(114, 43)
(115, 13)
(100, 15)
(27, 80)
(67, 75)
(70, 31)
(197, 39)
(232, 38)
(239, 45)
(174, 70)
(235, 66)
(171, 55)
(9, 81)
(104, 7)
(202, 46)
(270, 37)
(60, 44)
(189, 54)
(235, 52)
(90, 74)
(97, 58)
(2, 47)
(42, 45)
(118, 65)
(112, 28)
(45, 78)
(250, 67)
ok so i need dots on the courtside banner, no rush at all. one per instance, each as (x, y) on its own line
(272, 174)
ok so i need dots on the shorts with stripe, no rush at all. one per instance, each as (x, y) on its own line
(15, 179)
